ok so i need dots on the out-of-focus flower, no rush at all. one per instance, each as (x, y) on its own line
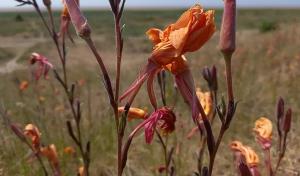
(187, 34)
(206, 101)
(163, 119)
(263, 131)
(81, 82)
(50, 153)
(43, 65)
(34, 134)
(80, 171)
(23, 85)
(42, 99)
(245, 154)
(69, 150)
(59, 108)
(134, 113)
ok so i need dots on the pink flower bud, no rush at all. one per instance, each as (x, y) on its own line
(227, 36)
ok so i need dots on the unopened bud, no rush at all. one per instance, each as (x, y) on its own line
(228, 28)
(47, 3)
(79, 21)
(287, 121)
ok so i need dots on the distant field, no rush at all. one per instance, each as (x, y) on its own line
(265, 66)
(138, 21)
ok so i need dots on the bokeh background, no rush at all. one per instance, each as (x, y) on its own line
(265, 66)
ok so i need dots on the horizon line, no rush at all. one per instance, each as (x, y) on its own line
(27, 9)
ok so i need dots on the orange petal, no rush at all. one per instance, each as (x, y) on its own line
(154, 35)
(199, 36)
(134, 113)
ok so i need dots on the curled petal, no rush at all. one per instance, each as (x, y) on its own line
(154, 35)
(134, 113)
(133, 89)
(151, 93)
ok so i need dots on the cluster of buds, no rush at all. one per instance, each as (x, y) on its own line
(284, 120)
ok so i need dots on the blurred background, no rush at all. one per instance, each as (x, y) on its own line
(266, 65)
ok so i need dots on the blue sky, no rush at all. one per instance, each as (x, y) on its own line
(172, 3)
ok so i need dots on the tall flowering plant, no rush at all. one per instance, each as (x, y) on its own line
(193, 29)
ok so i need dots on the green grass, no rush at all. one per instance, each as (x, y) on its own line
(5, 55)
(265, 66)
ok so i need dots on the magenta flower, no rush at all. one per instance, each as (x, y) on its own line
(164, 119)
(43, 65)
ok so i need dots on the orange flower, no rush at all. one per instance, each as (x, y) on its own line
(134, 113)
(248, 153)
(206, 101)
(187, 34)
(263, 128)
(69, 150)
(51, 154)
(23, 85)
(34, 134)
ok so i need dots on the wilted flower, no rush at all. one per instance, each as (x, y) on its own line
(69, 150)
(134, 113)
(23, 85)
(43, 65)
(51, 154)
(188, 34)
(34, 134)
(163, 119)
(263, 131)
